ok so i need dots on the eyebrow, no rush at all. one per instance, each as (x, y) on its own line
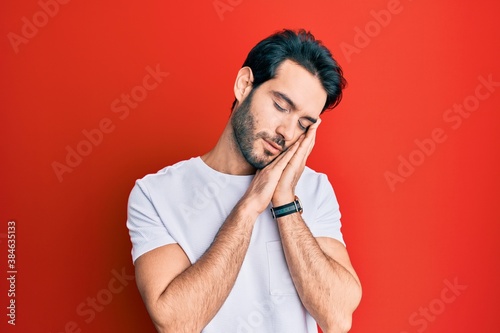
(289, 101)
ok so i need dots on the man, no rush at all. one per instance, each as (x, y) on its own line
(221, 242)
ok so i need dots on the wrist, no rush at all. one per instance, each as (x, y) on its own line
(279, 200)
(248, 208)
(287, 209)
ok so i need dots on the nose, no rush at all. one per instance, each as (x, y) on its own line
(286, 129)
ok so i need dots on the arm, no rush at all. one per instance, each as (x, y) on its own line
(322, 273)
(320, 268)
(181, 297)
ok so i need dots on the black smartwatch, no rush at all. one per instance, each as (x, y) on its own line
(293, 207)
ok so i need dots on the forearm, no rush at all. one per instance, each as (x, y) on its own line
(194, 297)
(327, 289)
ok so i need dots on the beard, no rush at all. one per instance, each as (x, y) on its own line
(243, 123)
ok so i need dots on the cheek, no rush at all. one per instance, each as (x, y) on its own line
(264, 117)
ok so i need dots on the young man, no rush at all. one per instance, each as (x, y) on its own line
(221, 242)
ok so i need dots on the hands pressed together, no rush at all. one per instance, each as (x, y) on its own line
(276, 182)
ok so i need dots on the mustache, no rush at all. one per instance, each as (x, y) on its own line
(279, 140)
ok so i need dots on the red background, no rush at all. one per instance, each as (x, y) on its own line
(440, 224)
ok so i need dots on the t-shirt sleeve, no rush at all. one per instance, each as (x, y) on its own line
(327, 223)
(146, 229)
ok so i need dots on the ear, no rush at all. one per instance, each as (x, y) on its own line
(243, 83)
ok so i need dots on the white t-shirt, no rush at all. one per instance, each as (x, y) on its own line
(187, 203)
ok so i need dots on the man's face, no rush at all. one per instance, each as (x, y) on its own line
(277, 113)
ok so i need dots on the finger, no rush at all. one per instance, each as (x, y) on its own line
(311, 136)
(291, 150)
(282, 160)
(298, 151)
(306, 146)
(316, 124)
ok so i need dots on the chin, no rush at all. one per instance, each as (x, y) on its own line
(258, 163)
(261, 163)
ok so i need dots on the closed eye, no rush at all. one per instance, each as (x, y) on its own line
(302, 127)
(282, 109)
(279, 108)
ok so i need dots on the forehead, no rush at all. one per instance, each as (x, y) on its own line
(302, 87)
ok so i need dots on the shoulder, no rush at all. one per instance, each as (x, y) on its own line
(168, 178)
(315, 185)
(308, 172)
(169, 173)
(311, 178)
(177, 168)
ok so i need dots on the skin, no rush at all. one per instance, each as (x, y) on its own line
(184, 297)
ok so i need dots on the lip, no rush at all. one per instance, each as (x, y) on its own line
(273, 147)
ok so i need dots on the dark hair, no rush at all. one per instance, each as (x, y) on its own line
(302, 48)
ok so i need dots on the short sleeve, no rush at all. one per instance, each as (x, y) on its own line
(146, 229)
(327, 222)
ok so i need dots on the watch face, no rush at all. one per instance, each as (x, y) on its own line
(299, 204)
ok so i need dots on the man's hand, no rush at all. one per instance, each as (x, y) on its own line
(285, 189)
(277, 181)
(320, 268)
(263, 185)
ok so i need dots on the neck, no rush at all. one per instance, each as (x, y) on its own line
(226, 156)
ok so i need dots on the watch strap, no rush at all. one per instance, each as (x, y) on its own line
(290, 208)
